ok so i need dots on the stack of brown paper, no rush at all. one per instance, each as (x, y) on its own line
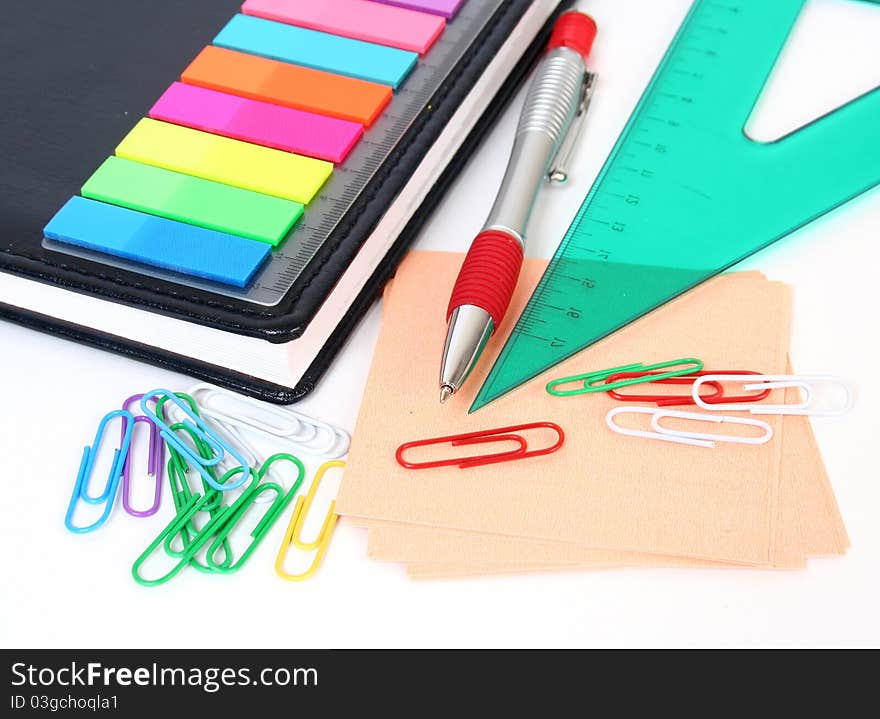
(603, 500)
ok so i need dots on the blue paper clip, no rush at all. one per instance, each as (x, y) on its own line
(198, 428)
(87, 466)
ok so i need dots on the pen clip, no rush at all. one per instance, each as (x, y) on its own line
(558, 173)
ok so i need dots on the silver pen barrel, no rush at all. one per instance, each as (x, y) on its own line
(556, 101)
(551, 105)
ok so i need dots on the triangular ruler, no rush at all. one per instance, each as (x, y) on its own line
(685, 194)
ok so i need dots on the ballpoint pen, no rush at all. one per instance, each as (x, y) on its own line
(556, 103)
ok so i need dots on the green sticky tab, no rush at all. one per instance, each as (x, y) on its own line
(193, 200)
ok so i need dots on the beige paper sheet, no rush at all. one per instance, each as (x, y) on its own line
(643, 497)
(809, 525)
(800, 491)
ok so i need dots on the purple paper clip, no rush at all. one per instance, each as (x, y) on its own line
(154, 464)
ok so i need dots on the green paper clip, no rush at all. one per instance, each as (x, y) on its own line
(240, 507)
(183, 495)
(589, 379)
(195, 505)
(215, 534)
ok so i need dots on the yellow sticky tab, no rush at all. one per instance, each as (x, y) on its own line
(231, 162)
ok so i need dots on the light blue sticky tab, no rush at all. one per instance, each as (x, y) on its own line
(318, 50)
(157, 241)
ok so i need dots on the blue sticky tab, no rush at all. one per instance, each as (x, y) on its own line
(318, 50)
(157, 241)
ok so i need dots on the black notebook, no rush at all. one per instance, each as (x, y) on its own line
(78, 77)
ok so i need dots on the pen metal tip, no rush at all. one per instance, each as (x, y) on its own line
(445, 393)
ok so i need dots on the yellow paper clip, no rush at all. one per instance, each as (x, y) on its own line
(294, 529)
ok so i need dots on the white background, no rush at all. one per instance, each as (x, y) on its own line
(64, 590)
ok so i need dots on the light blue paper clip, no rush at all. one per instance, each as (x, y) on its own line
(87, 466)
(198, 427)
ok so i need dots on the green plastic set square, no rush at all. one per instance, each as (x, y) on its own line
(685, 194)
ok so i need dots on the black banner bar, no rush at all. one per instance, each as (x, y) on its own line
(268, 683)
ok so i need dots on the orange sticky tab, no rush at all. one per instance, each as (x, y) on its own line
(280, 83)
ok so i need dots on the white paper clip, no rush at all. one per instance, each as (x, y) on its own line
(805, 383)
(237, 412)
(251, 454)
(235, 438)
(695, 439)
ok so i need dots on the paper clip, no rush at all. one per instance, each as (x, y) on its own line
(87, 466)
(780, 381)
(717, 395)
(234, 513)
(154, 464)
(217, 528)
(306, 433)
(487, 436)
(182, 494)
(293, 535)
(234, 435)
(179, 424)
(198, 428)
(695, 439)
(177, 460)
(204, 450)
(588, 380)
(236, 438)
(163, 401)
(196, 504)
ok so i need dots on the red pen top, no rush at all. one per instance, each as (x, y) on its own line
(574, 30)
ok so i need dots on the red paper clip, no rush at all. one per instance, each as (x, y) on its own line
(667, 400)
(486, 436)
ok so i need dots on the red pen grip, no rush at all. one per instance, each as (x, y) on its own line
(488, 275)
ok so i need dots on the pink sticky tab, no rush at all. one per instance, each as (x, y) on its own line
(260, 123)
(447, 8)
(358, 19)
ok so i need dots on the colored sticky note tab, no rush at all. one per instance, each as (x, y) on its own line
(281, 83)
(446, 8)
(318, 50)
(231, 162)
(358, 19)
(193, 200)
(157, 241)
(261, 123)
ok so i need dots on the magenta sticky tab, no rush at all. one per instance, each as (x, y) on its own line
(260, 123)
(446, 8)
(357, 19)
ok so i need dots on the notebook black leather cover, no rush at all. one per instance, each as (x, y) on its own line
(78, 75)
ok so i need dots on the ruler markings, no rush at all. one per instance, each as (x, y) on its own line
(642, 172)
